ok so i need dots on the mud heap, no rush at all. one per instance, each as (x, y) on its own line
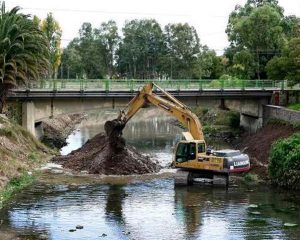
(107, 154)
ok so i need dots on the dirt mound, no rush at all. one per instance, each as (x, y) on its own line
(258, 144)
(97, 157)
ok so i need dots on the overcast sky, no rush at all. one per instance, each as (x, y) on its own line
(209, 17)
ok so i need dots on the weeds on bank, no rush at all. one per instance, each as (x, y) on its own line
(14, 186)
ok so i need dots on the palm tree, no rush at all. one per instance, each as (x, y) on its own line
(24, 51)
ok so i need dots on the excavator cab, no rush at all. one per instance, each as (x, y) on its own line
(185, 151)
(188, 150)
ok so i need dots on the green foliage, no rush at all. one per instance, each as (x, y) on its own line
(294, 106)
(287, 66)
(53, 33)
(234, 120)
(142, 50)
(33, 157)
(256, 35)
(284, 167)
(14, 186)
(250, 178)
(24, 51)
(8, 132)
(210, 129)
(215, 84)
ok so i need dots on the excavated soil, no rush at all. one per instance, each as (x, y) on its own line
(98, 157)
(258, 145)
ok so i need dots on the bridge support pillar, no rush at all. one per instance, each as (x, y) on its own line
(28, 117)
(251, 123)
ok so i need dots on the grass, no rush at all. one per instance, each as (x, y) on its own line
(8, 132)
(20, 152)
(15, 185)
(294, 106)
(251, 179)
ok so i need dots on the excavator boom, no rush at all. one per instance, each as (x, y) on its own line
(169, 104)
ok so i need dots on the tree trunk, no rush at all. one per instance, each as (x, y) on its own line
(3, 96)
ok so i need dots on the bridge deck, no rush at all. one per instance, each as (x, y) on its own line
(41, 93)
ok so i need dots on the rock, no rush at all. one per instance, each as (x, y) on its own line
(256, 213)
(103, 235)
(253, 206)
(43, 237)
(57, 171)
(79, 227)
(290, 225)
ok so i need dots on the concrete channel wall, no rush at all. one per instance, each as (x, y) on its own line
(280, 113)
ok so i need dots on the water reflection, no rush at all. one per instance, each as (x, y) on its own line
(113, 209)
(151, 210)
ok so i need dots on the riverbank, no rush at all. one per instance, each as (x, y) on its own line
(258, 146)
(56, 130)
(20, 153)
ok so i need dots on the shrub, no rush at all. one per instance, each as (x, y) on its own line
(234, 120)
(284, 167)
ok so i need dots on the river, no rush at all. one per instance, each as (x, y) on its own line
(147, 208)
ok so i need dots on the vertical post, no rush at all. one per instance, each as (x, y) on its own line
(106, 85)
(54, 85)
(81, 84)
(28, 117)
(222, 84)
(131, 85)
(282, 85)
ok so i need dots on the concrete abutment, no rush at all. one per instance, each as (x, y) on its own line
(28, 116)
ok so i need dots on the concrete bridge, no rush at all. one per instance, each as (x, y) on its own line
(52, 98)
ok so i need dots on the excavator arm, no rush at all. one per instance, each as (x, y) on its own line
(169, 104)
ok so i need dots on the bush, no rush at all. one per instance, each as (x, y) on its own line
(234, 120)
(284, 167)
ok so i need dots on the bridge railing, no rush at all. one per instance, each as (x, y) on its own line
(136, 84)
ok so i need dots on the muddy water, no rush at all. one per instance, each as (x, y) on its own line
(147, 208)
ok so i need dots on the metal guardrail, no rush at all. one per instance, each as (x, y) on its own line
(176, 85)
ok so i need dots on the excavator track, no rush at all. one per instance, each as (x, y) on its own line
(185, 177)
(181, 177)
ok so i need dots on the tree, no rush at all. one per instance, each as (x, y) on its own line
(142, 49)
(108, 37)
(72, 61)
(91, 52)
(23, 51)
(183, 46)
(53, 33)
(291, 26)
(211, 65)
(257, 28)
(287, 66)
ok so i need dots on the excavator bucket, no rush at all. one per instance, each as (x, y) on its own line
(114, 128)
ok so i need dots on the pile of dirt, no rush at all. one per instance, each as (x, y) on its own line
(258, 145)
(97, 156)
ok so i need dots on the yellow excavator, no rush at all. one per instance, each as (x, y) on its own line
(194, 161)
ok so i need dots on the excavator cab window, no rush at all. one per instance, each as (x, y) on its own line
(201, 148)
(185, 152)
